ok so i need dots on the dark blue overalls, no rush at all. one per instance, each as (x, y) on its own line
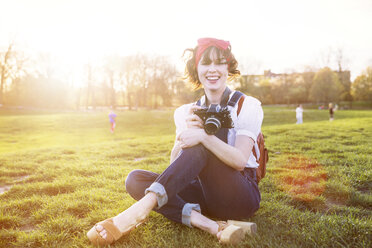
(198, 180)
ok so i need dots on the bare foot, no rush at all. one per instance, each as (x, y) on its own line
(133, 216)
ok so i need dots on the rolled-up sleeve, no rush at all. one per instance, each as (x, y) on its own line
(250, 118)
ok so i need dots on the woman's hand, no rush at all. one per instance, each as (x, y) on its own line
(191, 137)
(192, 120)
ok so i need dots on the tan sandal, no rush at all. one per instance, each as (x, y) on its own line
(233, 231)
(113, 233)
(248, 227)
(230, 234)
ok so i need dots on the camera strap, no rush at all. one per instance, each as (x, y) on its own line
(224, 99)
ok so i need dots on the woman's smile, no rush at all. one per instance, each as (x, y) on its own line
(212, 79)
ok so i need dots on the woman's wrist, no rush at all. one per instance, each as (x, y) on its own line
(205, 138)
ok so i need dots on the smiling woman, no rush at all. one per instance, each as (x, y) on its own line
(210, 174)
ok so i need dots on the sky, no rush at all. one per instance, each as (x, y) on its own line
(281, 36)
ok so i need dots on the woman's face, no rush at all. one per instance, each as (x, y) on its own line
(213, 72)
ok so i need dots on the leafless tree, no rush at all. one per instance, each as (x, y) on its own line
(325, 58)
(89, 88)
(19, 71)
(163, 76)
(5, 68)
(341, 59)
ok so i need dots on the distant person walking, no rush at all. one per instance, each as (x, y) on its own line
(299, 111)
(112, 117)
(331, 112)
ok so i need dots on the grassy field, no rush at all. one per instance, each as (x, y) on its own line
(60, 173)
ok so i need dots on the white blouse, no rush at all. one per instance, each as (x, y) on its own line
(248, 122)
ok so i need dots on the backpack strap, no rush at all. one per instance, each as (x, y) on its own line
(240, 104)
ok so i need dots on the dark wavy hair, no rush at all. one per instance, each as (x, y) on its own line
(191, 70)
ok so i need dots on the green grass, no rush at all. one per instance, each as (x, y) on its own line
(66, 172)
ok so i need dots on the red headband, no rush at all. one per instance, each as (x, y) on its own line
(204, 43)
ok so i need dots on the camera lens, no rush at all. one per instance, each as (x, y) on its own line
(212, 125)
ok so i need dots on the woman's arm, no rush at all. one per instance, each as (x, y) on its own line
(175, 151)
(184, 119)
(234, 156)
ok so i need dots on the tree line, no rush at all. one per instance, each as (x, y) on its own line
(132, 81)
(152, 81)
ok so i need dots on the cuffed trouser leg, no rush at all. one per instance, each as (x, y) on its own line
(161, 195)
(186, 213)
(138, 181)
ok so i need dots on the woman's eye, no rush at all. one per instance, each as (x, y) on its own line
(216, 62)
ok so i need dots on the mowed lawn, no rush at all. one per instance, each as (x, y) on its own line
(60, 173)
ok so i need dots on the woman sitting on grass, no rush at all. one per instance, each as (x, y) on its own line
(209, 175)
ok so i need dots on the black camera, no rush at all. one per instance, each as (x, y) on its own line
(214, 118)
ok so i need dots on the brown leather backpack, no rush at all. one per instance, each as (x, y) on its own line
(263, 159)
(264, 154)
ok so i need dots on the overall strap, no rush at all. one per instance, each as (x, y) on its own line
(237, 96)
